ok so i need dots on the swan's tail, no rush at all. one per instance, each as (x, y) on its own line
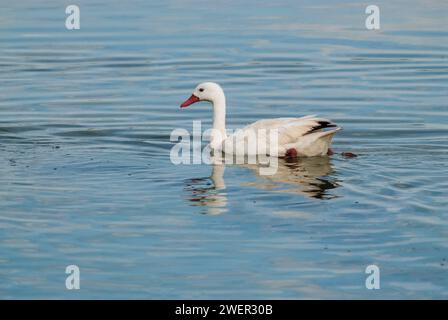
(315, 143)
(327, 135)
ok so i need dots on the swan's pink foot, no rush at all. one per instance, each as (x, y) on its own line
(330, 152)
(349, 154)
(291, 153)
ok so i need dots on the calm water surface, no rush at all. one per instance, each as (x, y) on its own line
(86, 179)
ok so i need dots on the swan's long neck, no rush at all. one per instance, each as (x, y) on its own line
(219, 121)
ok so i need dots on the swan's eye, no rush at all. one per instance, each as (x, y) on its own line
(201, 90)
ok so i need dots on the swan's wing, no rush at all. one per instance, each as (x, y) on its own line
(290, 130)
(275, 123)
(303, 134)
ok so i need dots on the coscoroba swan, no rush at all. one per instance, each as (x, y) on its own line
(306, 136)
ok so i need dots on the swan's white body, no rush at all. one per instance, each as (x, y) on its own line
(293, 136)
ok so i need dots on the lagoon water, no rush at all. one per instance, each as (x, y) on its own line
(86, 178)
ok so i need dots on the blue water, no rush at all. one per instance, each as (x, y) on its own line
(86, 178)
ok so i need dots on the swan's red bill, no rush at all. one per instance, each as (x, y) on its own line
(189, 101)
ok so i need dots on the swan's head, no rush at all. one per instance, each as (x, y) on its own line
(206, 91)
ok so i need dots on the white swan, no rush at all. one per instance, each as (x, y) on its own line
(296, 136)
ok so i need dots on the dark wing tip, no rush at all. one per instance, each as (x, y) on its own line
(321, 125)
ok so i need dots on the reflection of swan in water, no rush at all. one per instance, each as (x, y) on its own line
(209, 191)
(302, 175)
(306, 176)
